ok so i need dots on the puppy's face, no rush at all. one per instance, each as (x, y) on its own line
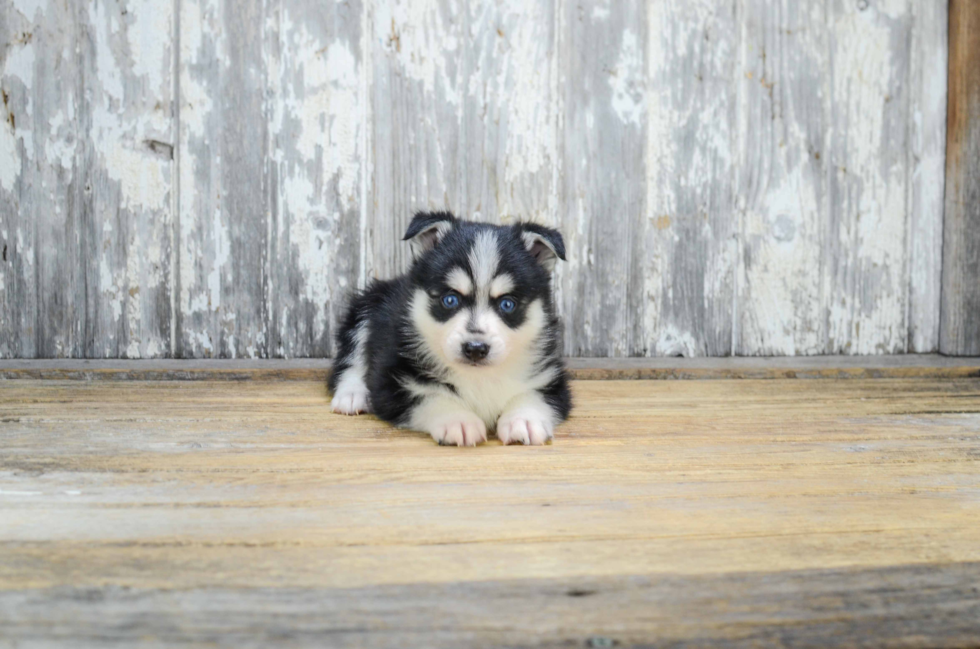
(482, 294)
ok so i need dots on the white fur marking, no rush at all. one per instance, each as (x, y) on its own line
(352, 396)
(484, 260)
(502, 283)
(459, 281)
(527, 420)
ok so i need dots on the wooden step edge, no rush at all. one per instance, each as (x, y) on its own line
(583, 369)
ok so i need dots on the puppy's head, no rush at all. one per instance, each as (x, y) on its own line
(481, 293)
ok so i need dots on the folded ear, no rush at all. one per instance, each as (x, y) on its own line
(426, 230)
(544, 244)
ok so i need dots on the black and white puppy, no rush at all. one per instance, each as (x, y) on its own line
(466, 341)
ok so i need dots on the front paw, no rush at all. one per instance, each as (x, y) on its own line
(351, 401)
(459, 428)
(524, 426)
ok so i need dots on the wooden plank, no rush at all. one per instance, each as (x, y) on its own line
(21, 175)
(226, 191)
(463, 117)
(87, 175)
(124, 167)
(782, 167)
(754, 512)
(927, 169)
(908, 606)
(43, 94)
(864, 281)
(416, 108)
(688, 254)
(814, 367)
(603, 62)
(960, 328)
(319, 129)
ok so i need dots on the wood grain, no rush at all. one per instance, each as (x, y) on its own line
(961, 234)
(206, 178)
(225, 180)
(736, 511)
(319, 124)
(87, 158)
(927, 169)
(926, 366)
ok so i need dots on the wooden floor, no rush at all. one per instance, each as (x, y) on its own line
(668, 513)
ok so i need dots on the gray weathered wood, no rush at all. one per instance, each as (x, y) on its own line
(463, 117)
(416, 109)
(86, 178)
(225, 185)
(782, 198)
(960, 333)
(319, 127)
(927, 154)
(931, 605)
(688, 256)
(603, 59)
(757, 177)
(865, 232)
(921, 366)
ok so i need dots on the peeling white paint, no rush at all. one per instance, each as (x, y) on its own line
(9, 158)
(628, 81)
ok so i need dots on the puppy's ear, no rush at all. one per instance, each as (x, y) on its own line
(426, 230)
(544, 244)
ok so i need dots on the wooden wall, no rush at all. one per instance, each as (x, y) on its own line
(201, 178)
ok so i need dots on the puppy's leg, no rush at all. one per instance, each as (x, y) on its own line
(527, 419)
(350, 393)
(448, 421)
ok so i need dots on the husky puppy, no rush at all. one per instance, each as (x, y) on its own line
(465, 342)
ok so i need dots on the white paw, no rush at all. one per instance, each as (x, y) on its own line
(460, 428)
(525, 426)
(350, 401)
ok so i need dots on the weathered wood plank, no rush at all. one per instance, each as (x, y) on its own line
(781, 175)
(122, 218)
(28, 62)
(464, 117)
(742, 511)
(603, 65)
(417, 55)
(43, 96)
(225, 169)
(686, 255)
(908, 606)
(960, 328)
(864, 281)
(813, 367)
(319, 130)
(927, 169)
(87, 224)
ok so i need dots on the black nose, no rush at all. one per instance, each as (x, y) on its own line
(476, 351)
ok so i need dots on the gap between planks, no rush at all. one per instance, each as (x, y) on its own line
(581, 369)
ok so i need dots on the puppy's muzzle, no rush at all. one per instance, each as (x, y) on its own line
(475, 351)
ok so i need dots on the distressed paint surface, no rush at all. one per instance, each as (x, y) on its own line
(689, 259)
(319, 128)
(751, 177)
(225, 189)
(604, 118)
(85, 179)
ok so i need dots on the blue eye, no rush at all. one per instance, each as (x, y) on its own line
(450, 301)
(507, 305)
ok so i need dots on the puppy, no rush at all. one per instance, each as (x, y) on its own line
(465, 342)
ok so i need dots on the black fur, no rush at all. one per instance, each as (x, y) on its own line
(392, 355)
